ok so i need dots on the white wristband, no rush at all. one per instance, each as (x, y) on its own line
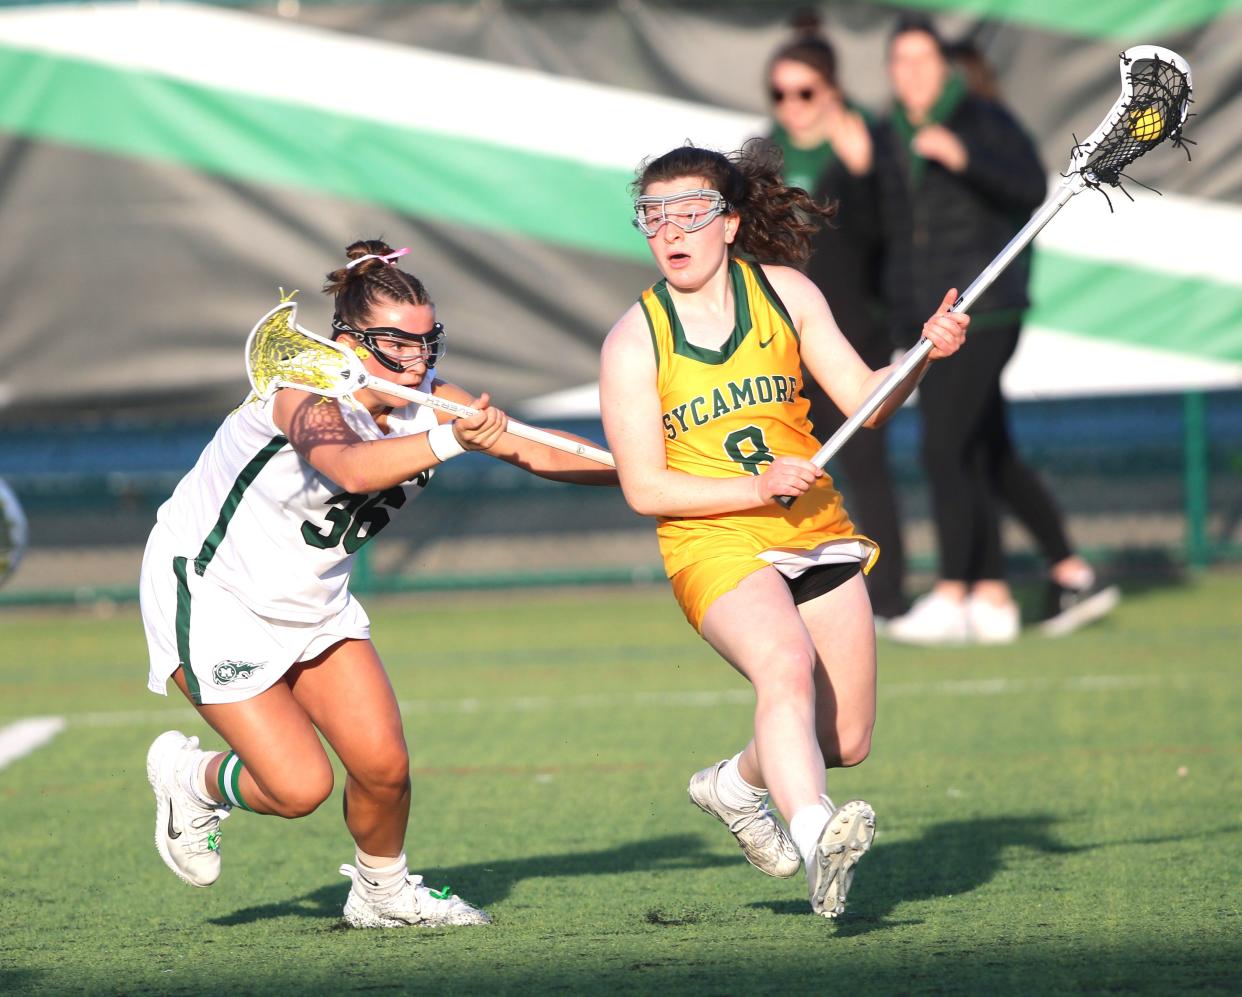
(443, 442)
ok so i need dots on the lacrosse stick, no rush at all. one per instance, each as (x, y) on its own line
(281, 354)
(1155, 96)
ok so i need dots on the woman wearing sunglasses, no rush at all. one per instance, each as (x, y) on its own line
(814, 123)
(247, 608)
(826, 145)
(701, 392)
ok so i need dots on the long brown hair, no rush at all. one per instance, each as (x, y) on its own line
(777, 220)
(359, 289)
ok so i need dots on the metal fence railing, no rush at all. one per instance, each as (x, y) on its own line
(1142, 480)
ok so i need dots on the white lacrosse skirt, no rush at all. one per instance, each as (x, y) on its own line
(230, 652)
(247, 569)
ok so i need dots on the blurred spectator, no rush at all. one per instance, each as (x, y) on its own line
(957, 178)
(827, 152)
(978, 74)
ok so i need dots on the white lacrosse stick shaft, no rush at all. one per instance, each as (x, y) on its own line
(511, 426)
(918, 353)
(1074, 182)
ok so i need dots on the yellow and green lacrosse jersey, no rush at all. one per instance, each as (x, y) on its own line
(729, 412)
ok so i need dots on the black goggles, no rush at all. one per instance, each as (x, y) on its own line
(397, 349)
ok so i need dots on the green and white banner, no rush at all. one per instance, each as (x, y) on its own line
(167, 166)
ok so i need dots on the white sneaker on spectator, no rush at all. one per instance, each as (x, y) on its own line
(992, 622)
(933, 619)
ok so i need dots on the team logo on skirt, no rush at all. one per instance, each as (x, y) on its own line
(226, 671)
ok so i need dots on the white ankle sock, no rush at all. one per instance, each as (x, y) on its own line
(381, 881)
(193, 777)
(806, 827)
(735, 791)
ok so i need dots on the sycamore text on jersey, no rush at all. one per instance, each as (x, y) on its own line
(760, 390)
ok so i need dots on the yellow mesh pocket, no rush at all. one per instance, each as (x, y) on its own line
(282, 355)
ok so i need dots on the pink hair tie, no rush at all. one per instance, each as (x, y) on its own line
(395, 254)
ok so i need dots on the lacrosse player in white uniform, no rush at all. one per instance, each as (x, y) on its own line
(246, 601)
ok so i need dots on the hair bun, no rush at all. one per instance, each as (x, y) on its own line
(807, 21)
(367, 247)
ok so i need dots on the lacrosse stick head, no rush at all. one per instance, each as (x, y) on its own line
(1155, 97)
(281, 354)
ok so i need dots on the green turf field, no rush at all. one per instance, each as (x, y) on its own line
(1053, 817)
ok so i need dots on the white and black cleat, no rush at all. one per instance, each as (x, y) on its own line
(187, 834)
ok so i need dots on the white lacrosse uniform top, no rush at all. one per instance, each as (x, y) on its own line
(256, 519)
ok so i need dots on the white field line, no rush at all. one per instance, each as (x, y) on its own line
(21, 738)
(701, 699)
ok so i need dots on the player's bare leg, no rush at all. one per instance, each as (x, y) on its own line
(843, 633)
(841, 627)
(284, 769)
(777, 656)
(277, 766)
(758, 630)
(346, 692)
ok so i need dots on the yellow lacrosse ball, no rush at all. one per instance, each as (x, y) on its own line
(1146, 124)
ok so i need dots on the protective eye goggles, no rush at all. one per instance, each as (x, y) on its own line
(689, 210)
(397, 349)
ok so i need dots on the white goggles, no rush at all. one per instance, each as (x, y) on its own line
(689, 210)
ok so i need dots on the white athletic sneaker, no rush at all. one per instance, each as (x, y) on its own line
(412, 904)
(187, 834)
(933, 619)
(992, 623)
(844, 840)
(759, 834)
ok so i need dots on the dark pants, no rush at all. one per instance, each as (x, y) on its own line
(870, 499)
(972, 466)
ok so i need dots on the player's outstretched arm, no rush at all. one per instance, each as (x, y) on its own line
(946, 331)
(316, 429)
(477, 433)
(834, 363)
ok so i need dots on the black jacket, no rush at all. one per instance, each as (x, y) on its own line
(943, 229)
(845, 260)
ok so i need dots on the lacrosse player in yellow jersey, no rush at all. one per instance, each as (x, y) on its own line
(247, 608)
(701, 394)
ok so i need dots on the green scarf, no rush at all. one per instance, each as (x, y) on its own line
(804, 167)
(950, 97)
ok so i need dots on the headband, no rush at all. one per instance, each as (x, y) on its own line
(375, 256)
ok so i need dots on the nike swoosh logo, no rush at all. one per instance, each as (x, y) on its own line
(765, 343)
(370, 881)
(173, 833)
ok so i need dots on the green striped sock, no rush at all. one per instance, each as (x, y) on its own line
(228, 778)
